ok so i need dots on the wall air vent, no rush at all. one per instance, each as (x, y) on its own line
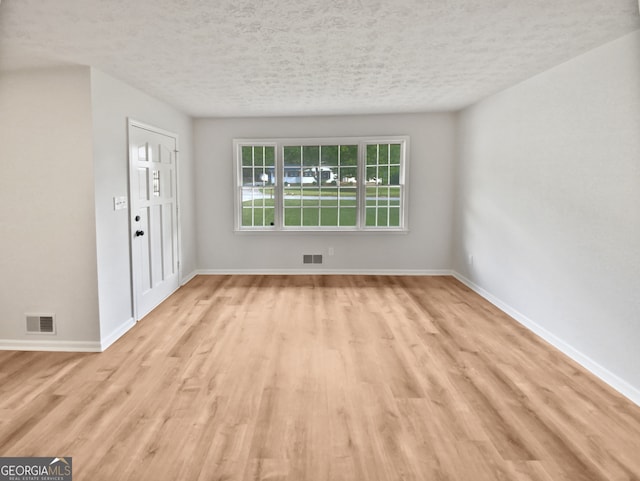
(312, 258)
(41, 323)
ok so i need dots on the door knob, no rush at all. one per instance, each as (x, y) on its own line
(139, 233)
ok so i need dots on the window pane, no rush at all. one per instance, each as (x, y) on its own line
(317, 185)
(394, 175)
(246, 216)
(383, 207)
(372, 154)
(382, 216)
(383, 153)
(310, 217)
(348, 216)
(292, 216)
(326, 175)
(270, 156)
(329, 216)
(156, 183)
(329, 155)
(247, 176)
(395, 154)
(311, 155)
(258, 156)
(246, 155)
(348, 155)
(394, 216)
(371, 217)
(310, 198)
(383, 192)
(292, 156)
(257, 217)
(292, 176)
(258, 196)
(311, 210)
(374, 176)
(348, 175)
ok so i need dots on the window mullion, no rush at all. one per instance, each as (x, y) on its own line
(278, 188)
(319, 185)
(337, 184)
(253, 181)
(388, 184)
(360, 191)
(264, 208)
(301, 185)
(376, 188)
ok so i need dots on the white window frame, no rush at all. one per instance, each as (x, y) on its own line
(361, 142)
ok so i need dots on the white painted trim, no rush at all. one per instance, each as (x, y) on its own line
(617, 383)
(131, 124)
(279, 143)
(117, 333)
(188, 278)
(355, 272)
(46, 345)
(152, 128)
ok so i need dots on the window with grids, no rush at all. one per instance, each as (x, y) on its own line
(258, 185)
(321, 184)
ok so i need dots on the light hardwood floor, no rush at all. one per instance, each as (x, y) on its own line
(307, 378)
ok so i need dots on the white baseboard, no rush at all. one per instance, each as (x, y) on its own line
(188, 278)
(364, 272)
(66, 346)
(117, 333)
(617, 383)
(49, 345)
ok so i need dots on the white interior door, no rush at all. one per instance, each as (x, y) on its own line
(154, 216)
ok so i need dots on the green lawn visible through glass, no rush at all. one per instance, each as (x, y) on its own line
(320, 212)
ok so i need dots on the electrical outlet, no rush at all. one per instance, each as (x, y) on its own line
(470, 259)
(330, 251)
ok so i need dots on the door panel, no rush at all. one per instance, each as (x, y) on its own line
(143, 247)
(155, 239)
(169, 260)
(143, 184)
(154, 230)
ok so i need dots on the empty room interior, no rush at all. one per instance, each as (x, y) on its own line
(321, 240)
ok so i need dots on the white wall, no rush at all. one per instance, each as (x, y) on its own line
(47, 235)
(548, 205)
(426, 247)
(113, 102)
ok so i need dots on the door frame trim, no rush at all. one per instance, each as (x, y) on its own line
(132, 123)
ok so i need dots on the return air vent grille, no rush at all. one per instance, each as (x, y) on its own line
(41, 324)
(312, 258)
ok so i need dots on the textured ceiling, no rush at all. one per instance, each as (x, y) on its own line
(294, 57)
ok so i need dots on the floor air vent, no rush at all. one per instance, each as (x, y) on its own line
(41, 323)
